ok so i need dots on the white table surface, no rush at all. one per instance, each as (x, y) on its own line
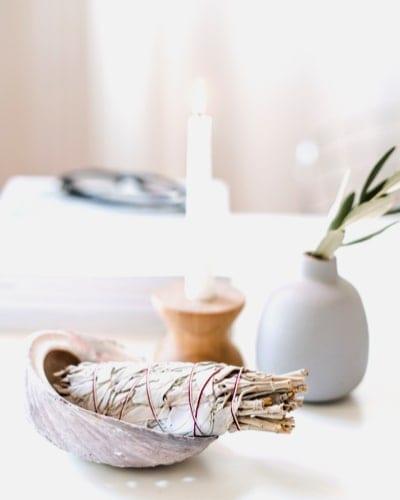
(343, 450)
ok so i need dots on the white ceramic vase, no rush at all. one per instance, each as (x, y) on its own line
(318, 323)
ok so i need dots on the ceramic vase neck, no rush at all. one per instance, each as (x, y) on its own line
(324, 271)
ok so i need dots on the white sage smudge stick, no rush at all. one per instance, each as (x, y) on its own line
(201, 399)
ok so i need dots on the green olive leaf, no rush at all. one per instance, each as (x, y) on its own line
(391, 185)
(344, 210)
(369, 236)
(374, 191)
(369, 210)
(395, 210)
(340, 195)
(374, 172)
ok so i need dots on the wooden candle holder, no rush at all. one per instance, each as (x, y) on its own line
(198, 330)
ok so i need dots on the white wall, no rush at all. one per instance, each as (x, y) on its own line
(43, 86)
(106, 82)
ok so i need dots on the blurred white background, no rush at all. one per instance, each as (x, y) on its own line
(299, 90)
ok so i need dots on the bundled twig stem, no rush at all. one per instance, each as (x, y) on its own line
(202, 399)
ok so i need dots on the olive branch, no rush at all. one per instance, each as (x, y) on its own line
(373, 201)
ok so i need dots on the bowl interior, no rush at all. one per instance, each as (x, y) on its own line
(57, 360)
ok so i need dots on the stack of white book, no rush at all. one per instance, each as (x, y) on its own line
(69, 263)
